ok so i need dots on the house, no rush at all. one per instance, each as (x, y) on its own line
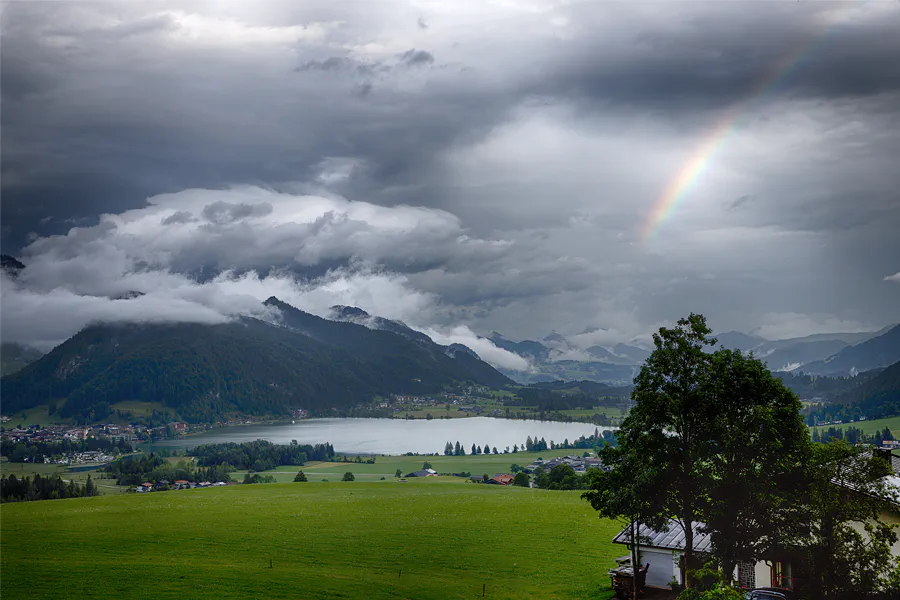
(502, 479)
(663, 549)
(422, 473)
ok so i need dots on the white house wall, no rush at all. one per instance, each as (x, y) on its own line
(763, 574)
(663, 566)
(889, 517)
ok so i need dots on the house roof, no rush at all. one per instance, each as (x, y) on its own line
(421, 473)
(888, 488)
(673, 539)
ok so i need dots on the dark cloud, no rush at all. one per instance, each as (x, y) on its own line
(179, 217)
(416, 57)
(534, 152)
(332, 63)
(741, 200)
(225, 212)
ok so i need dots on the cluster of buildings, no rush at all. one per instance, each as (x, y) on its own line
(89, 457)
(178, 484)
(462, 399)
(51, 433)
(111, 431)
(819, 423)
(497, 479)
(579, 463)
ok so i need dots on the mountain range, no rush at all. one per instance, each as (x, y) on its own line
(304, 361)
(244, 367)
(835, 354)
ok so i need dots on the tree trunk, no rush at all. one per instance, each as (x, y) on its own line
(728, 567)
(635, 557)
(688, 563)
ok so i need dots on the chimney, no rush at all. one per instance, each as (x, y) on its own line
(884, 453)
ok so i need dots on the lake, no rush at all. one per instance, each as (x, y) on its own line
(393, 436)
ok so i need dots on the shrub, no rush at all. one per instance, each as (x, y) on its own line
(710, 585)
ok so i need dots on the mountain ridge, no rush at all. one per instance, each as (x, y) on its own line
(246, 366)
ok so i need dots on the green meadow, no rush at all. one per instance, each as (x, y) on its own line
(869, 427)
(427, 538)
(386, 466)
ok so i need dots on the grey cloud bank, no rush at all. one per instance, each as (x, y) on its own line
(460, 166)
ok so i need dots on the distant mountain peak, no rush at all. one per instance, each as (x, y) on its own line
(10, 264)
(339, 311)
(129, 295)
(464, 349)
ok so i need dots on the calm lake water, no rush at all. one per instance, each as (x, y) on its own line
(394, 436)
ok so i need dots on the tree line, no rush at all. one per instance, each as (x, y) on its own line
(24, 489)
(260, 455)
(135, 470)
(718, 445)
(852, 435)
(595, 440)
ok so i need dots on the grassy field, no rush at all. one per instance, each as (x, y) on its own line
(105, 486)
(35, 416)
(137, 408)
(869, 427)
(386, 466)
(422, 539)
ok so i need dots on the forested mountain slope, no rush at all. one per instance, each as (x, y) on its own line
(251, 367)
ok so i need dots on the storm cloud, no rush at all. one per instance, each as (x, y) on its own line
(463, 166)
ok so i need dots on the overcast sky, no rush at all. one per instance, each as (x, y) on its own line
(519, 166)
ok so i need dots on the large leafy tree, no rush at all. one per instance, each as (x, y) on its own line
(755, 465)
(669, 430)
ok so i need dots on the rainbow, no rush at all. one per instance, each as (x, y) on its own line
(679, 188)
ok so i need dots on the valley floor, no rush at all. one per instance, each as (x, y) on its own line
(427, 538)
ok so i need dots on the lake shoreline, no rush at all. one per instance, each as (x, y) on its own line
(391, 436)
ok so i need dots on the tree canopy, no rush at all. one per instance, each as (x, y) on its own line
(714, 439)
